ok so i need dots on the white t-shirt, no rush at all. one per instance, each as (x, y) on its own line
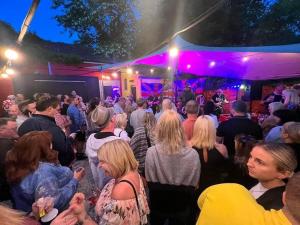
(122, 134)
(258, 190)
(214, 119)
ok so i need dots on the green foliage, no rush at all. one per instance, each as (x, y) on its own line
(122, 29)
(237, 23)
(107, 26)
(231, 25)
(281, 24)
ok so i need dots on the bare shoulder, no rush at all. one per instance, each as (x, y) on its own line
(124, 191)
(222, 149)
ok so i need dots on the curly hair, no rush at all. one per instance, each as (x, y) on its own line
(29, 150)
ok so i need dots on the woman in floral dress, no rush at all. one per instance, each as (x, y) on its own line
(122, 200)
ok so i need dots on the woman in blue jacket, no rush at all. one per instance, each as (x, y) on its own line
(33, 170)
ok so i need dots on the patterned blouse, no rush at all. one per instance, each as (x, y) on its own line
(121, 212)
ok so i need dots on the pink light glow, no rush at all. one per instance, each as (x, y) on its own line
(245, 59)
(230, 64)
(212, 64)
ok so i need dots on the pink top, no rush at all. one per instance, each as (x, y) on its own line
(63, 122)
(188, 126)
(121, 212)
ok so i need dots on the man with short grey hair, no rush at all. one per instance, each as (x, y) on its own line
(192, 110)
(137, 116)
(165, 105)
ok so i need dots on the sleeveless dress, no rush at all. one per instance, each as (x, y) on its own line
(121, 212)
(214, 170)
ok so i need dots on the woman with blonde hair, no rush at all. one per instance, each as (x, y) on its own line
(270, 164)
(171, 147)
(271, 121)
(212, 155)
(291, 99)
(122, 200)
(170, 163)
(13, 217)
(9, 216)
(120, 125)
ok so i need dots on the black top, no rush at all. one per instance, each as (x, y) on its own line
(218, 98)
(214, 170)
(272, 198)
(237, 125)
(170, 199)
(5, 145)
(59, 140)
(101, 135)
(186, 96)
(277, 98)
(64, 109)
(296, 147)
(238, 173)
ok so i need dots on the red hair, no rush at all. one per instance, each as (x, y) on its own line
(29, 150)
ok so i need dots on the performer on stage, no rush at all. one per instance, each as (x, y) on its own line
(275, 96)
(187, 95)
(200, 99)
(153, 101)
(219, 99)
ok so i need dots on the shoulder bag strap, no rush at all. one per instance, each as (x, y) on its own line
(136, 197)
(147, 138)
(120, 133)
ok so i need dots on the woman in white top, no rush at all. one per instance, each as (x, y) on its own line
(120, 124)
(270, 164)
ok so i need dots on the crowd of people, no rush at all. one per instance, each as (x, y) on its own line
(121, 162)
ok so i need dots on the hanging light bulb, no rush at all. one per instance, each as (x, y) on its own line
(173, 52)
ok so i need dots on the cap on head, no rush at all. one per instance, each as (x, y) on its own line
(101, 116)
